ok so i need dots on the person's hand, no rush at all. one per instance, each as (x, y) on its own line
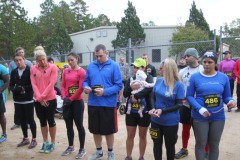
(155, 112)
(206, 114)
(17, 89)
(98, 91)
(44, 103)
(135, 86)
(67, 102)
(231, 104)
(87, 90)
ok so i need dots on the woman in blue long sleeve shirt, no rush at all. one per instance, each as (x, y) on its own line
(206, 92)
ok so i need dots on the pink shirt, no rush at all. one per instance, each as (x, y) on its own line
(43, 81)
(71, 85)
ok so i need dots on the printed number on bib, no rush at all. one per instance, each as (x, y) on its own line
(154, 133)
(72, 90)
(212, 100)
(135, 106)
(229, 74)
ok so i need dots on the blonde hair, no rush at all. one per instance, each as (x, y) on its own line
(39, 51)
(170, 74)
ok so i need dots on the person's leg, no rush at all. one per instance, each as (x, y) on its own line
(215, 133)
(3, 122)
(156, 133)
(231, 86)
(78, 110)
(50, 111)
(29, 114)
(131, 132)
(21, 114)
(69, 124)
(170, 138)
(201, 131)
(238, 96)
(185, 135)
(17, 120)
(142, 140)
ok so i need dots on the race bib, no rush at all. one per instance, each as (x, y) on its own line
(154, 133)
(212, 100)
(229, 74)
(135, 106)
(72, 90)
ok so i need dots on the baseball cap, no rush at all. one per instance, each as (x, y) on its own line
(139, 62)
(227, 52)
(191, 52)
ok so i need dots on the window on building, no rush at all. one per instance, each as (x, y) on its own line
(112, 55)
(98, 33)
(104, 33)
(156, 55)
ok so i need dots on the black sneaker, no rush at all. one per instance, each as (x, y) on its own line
(182, 153)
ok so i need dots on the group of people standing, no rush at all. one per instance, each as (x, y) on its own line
(197, 91)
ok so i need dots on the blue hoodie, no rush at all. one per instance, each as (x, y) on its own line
(107, 75)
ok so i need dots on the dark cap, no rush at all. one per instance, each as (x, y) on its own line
(227, 52)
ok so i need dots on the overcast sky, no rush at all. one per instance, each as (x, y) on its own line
(161, 12)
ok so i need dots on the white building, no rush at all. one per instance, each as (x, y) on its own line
(155, 44)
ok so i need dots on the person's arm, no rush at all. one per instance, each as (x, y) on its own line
(53, 79)
(80, 89)
(220, 67)
(5, 79)
(173, 108)
(236, 69)
(34, 84)
(127, 89)
(63, 84)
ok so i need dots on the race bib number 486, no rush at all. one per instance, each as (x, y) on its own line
(212, 100)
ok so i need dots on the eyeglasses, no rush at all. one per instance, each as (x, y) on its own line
(136, 67)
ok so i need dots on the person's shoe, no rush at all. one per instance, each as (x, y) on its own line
(96, 156)
(141, 158)
(81, 154)
(237, 110)
(68, 151)
(32, 144)
(206, 156)
(44, 147)
(229, 109)
(111, 156)
(182, 153)
(24, 142)
(50, 147)
(3, 138)
(15, 126)
(128, 158)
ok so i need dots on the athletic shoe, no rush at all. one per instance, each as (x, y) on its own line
(96, 156)
(141, 158)
(68, 151)
(15, 126)
(237, 110)
(111, 156)
(229, 109)
(81, 154)
(44, 147)
(32, 144)
(182, 153)
(128, 158)
(3, 138)
(50, 147)
(24, 142)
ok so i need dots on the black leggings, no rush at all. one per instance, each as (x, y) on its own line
(71, 113)
(25, 113)
(46, 114)
(170, 137)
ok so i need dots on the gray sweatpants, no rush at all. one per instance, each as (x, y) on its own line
(207, 133)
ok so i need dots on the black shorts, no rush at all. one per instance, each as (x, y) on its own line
(185, 115)
(102, 120)
(134, 119)
(2, 104)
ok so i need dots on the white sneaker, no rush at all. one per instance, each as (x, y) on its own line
(96, 156)
(111, 156)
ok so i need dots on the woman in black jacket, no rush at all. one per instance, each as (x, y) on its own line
(20, 85)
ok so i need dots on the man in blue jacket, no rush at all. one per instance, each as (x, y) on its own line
(102, 82)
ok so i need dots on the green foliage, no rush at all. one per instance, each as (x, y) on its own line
(129, 27)
(196, 17)
(233, 29)
(188, 33)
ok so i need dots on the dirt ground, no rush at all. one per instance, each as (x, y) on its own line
(229, 146)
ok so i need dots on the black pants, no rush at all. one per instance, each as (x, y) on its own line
(25, 113)
(71, 113)
(16, 118)
(231, 86)
(238, 96)
(169, 133)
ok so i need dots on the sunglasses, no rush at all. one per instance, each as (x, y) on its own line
(136, 67)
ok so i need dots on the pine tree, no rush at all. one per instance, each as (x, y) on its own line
(129, 27)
